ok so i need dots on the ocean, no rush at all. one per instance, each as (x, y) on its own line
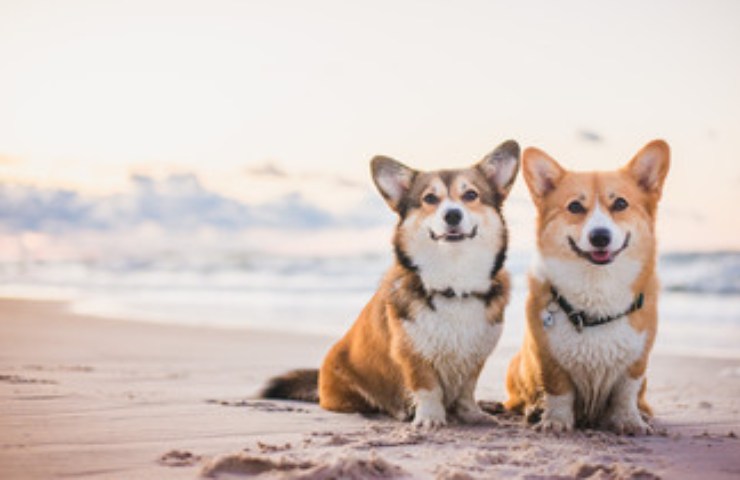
(699, 303)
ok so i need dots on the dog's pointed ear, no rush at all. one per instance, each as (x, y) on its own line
(541, 172)
(650, 166)
(392, 178)
(501, 166)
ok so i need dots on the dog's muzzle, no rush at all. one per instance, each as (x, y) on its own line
(454, 235)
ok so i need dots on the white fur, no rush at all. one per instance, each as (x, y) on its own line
(625, 415)
(625, 396)
(466, 265)
(430, 411)
(601, 219)
(598, 290)
(466, 409)
(456, 339)
(558, 414)
(597, 358)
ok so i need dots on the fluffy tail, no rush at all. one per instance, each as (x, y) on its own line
(301, 385)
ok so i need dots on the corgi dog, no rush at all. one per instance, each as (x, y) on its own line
(418, 346)
(593, 293)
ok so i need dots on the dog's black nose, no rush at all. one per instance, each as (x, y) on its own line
(453, 217)
(600, 237)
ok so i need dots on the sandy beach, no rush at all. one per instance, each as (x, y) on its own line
(84, 397)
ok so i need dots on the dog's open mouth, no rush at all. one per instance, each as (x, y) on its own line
(599, 257)
(454, 235)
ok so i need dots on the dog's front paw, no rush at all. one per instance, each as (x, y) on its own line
(430, 412)
(558, 421)
(628, 423)
(430, 416)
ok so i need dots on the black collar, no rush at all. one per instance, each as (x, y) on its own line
(486, 297)
(496, 289)
(580, 319)
(408, 264)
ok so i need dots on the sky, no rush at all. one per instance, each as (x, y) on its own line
(265, 99)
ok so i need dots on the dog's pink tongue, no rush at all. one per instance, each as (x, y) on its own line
(600, 255)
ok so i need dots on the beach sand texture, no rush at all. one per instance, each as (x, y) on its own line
(84, 397)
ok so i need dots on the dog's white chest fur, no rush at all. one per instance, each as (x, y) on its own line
(598, 290)
(456, 338)
(596, 358)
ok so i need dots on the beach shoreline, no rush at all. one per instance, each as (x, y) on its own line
(87, 397)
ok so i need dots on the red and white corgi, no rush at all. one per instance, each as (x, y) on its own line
(592, 305)
(417, 348)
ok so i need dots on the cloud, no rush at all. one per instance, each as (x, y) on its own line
(178, 221)
(266, 170)
(590, 136)
(348, 182)
(291, 211)
(177, 203)
(26, 208)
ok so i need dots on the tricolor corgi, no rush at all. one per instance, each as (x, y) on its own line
(417, 348)
(593, 293)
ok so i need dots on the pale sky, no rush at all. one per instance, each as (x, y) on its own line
(91, 91)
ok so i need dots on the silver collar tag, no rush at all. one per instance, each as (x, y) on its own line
(548, 314)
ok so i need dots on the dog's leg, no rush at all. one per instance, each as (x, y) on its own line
(335, 391)
(517, 400)
(558, 413)
(466, 409)
(645, 410)
(430, 411)
(627, 396)
(624, 416)
(420, 380)
(559, 400)
(426, 393)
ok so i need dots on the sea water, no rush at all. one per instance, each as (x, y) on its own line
(699, 303)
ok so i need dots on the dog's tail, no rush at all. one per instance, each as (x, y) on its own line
(301, 385)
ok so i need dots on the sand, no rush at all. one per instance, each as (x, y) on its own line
(87, 397)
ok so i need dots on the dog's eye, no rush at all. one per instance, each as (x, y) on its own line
(576, 207)
(431, 199)
(469, 196)
(619, 205)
